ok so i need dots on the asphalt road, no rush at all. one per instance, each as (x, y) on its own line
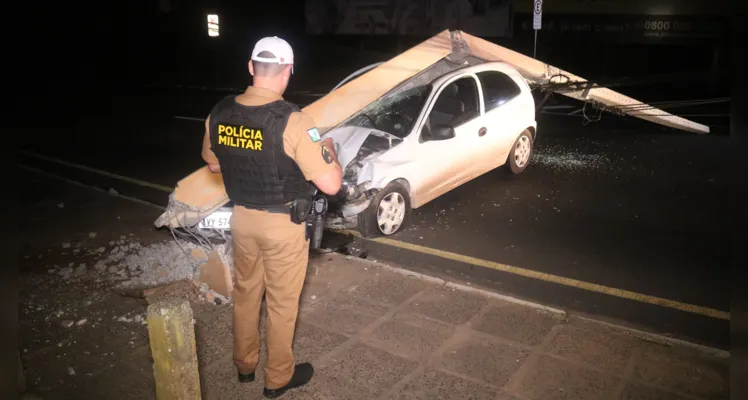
(618, 203)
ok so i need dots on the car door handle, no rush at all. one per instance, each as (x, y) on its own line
(482, 131)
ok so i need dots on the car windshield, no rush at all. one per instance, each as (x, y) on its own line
(395, 114)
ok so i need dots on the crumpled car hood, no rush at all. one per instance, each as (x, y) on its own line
(351, 143)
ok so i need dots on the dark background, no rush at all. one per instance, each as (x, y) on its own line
(133, 43)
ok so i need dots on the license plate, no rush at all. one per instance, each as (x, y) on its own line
(217, 220)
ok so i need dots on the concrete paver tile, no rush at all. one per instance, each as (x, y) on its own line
(432, 384)
(311, 342)
(322, 389)
(343, 313)
(325, 275)
(521, 324)
(410, 335)
(486, 360)
(594, 344)
(641, 392)
(365, 371)
(679, 370)
(551, 379)
(449, 305)
(389, 288)
(313, 292)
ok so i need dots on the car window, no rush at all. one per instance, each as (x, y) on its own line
(457, 104)
(394, 114)
(498, 88)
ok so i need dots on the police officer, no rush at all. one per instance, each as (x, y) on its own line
(269, 153)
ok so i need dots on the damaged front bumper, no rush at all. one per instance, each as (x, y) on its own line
(342, 215)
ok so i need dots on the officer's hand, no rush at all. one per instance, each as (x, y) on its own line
(330, 145)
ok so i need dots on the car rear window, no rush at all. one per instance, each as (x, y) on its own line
(498, 88)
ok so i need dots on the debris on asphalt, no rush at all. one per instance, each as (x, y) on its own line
(92, 235)
(153, 265)
(71, 371)
(81, 322)
(138, 319)
(113, 192)
(67, 323)
(100, 267)
(66, 272)
(562, 158)
(81, 269)
(65, 245)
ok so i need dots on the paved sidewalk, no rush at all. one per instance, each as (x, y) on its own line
(371, 331)
(374, 332)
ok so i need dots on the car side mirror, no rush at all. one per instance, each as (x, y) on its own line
(442, 132)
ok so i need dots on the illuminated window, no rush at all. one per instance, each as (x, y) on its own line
(212, 25)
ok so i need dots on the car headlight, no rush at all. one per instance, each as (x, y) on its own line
(348, 188)
(353, 191)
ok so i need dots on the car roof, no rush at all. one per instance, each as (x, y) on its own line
(487, 66)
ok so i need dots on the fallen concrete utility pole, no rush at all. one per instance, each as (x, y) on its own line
(202, 192)
(540, 73)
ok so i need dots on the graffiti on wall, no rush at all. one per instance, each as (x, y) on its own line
(408, 17)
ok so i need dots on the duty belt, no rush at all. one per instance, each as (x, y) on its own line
(284, 209)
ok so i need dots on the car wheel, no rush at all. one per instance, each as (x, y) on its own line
(388, 212)
(519, 156)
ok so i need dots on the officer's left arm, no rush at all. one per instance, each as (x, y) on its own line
(208, 156)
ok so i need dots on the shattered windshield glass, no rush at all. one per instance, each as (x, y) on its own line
(395, 114)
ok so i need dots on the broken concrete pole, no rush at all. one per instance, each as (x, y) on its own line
(198, 253)
(172, 339)
(216, 274)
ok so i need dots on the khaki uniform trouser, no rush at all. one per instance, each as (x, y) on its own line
(270, 256)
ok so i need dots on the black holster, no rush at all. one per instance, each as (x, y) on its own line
(300, 208)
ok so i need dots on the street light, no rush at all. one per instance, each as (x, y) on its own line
(213, 25)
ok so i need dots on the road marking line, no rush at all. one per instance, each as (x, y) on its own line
(100, 172)
(593, 287)
(189, 118)
(76, 183)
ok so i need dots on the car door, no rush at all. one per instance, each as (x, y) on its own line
(502, 105)
(445, 164)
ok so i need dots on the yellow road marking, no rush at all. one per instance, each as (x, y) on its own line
(100, 172)
(542, 276)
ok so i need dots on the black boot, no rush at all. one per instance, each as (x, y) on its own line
(244, 378)
(302, 374)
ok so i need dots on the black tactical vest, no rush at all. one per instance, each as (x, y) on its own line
(248, 141)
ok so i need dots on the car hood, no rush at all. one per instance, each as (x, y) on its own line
(355, 143)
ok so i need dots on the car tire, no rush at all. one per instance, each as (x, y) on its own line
(369, 220)
(519, 156)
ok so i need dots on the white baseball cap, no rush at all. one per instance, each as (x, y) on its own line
(279, 47)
